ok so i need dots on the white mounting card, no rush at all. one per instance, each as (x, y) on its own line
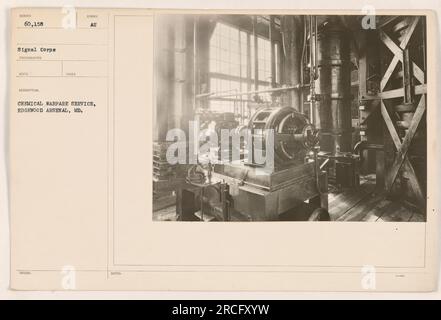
(83, 125)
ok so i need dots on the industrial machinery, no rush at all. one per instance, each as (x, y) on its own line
(304, 151)
(324, 111)
(293, 134)
(250, 191)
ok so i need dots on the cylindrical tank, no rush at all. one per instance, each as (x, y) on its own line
(333, 88)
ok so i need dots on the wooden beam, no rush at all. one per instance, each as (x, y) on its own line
(414, 184)
(398, 55)
(390, 69)
(409, 33)
(390, 94)
(418, 73)
(386, 20)
(396, 93)
(396, 50)
(404, 147)
(421, 89)
(390, 125)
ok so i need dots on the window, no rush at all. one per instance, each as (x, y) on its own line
(264, 58)
(229, 67)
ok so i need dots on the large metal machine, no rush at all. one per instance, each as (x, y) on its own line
(244, 190)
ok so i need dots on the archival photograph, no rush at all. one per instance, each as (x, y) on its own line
(289, 118)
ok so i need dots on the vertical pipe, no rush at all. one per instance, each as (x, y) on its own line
(240, 77)
(295, 53)
(248, 69)
(311, 47)
(273, 52)
(312, 50)
(256, 61)
(195, 63)
(315, 47)
(302, 61)
(285, 56)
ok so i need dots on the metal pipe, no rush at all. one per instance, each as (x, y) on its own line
(315, 48)
(312, 47)
(256, 61)
(312, 75)
(302, 61)
(363, 145)
(195, 62)
(310, 42)
(240, 77)
(214, 95)
(273, 52)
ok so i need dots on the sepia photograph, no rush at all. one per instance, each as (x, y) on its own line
(289, 118)
(140, 140)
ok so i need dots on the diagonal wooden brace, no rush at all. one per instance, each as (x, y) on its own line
(398, 54)
(402, 148)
